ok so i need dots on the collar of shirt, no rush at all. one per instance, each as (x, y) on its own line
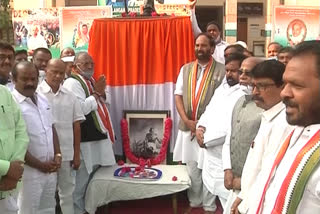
(271, 113)
(46, 88)
(21, 98)
(222, 43)
(303, 132)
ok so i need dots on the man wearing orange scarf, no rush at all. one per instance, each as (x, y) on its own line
(195, 86)
(293, 182)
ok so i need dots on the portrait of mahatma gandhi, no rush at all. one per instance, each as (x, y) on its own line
(296, 32)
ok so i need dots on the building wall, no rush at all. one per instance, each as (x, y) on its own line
(302, 2)
(256, 24)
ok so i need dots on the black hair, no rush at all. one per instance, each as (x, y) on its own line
(287, 49)
(309, 47)
(214, 23)
(210, 38)
(14, 71)
(239, 48)
(272, 69)
(235, 57)
(6, 46)
(22, 51)
(44, 50)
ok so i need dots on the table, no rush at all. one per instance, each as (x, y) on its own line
(105, 188)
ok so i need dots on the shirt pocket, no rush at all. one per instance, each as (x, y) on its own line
(7, 122)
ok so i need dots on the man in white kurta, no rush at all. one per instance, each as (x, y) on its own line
(213, 126)
(209, 75)
(43, 156)
(302, 99)
(215, 122)
(94, 153)
(67, 115)
(267, 83)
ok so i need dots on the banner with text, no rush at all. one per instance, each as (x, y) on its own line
(293, 25)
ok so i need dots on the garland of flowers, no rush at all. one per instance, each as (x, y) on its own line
(150, 161)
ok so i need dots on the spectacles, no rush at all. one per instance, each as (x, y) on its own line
(245, 72)
(262, 86)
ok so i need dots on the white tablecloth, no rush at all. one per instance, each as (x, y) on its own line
(105, 188)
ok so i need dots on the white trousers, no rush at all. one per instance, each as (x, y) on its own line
(9, 205)
(37, 195)
(66, 184)
(209, 200)
(195, 192)
(82, 181)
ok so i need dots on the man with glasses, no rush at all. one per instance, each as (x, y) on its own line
(267, 84)
(13, 137)
(96, 137)
(245, 116)
(6, 63)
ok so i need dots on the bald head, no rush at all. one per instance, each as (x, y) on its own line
(55, 73)
(246, 67)
(55, 63)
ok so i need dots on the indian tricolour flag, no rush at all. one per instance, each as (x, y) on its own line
(141, 59)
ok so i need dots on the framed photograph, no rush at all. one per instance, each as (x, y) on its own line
(146, 130)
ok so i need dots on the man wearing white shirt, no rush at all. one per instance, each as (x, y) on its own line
(43, 157)
(205, 71)
(6, 64)
(40, 59)
(293, 181)
(67, 115)
(211, 133)
(267, 84)
(214, 29)
(96, 138)
(246, 117)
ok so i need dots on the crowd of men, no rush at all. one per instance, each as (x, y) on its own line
(249, 129)
(248, 132)
(49, 138)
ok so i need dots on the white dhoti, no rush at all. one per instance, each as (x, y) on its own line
(212, 173)
(37, 195)
(187, 151)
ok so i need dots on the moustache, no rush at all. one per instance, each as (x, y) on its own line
(255, 97)
(289, 103)
(29, 88)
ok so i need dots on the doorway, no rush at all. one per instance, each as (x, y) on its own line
(242, 29)
(206, 14)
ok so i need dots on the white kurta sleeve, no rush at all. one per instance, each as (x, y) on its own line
(77, 111)
(179, 83)
(226, 159)
(194, 23)
(87, 104)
